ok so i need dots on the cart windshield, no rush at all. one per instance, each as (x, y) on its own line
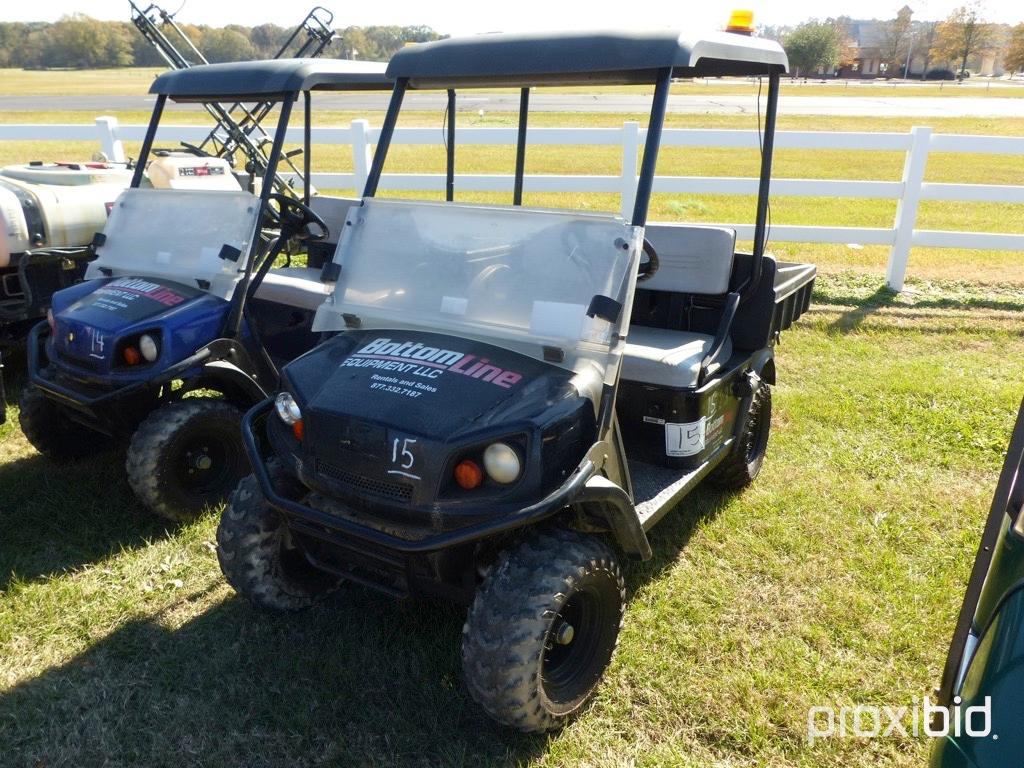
(522, 278)
(179, 235)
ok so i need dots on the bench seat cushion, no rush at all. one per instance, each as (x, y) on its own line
(294, 287)
(666, 358)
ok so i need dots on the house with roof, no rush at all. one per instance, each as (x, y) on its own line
(872, 46)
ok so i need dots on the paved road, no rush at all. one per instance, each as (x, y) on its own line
(881, 106)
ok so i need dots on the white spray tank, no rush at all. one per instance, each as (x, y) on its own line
(61, 205)
(55, 205)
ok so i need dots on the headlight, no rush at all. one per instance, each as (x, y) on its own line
(502, 463)
(149, 348)
(287, 409)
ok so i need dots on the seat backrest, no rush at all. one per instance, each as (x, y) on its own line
(334, 211)
(691, 258)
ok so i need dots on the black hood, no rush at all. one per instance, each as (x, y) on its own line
(390, 412)
(437, 387)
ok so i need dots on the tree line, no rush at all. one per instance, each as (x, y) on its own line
(81, 42)
(952, 44)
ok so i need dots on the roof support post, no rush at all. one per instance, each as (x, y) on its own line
(764, 185)
(384, 141)
(651, 147)
(524, 109)
(233, 325)
(147, 143)
(307, 144)
(449, 168)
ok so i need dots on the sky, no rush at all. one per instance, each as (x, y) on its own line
(472, 16)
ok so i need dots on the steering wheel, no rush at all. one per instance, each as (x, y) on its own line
(649, 266)
(294, 218)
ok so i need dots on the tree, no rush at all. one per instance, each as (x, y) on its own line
(777, 33)
(354, 43)
(964, 32)
(268, 39)
(225, 45)
(924, 40)
(29, 47)
(812, 47)
(895, 40)
(1013, 58)
(847, 55)
(81, 41)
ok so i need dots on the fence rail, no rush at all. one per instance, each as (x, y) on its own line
(908, 191)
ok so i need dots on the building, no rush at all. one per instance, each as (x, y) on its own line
(871, 42)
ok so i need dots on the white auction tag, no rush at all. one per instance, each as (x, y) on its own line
(685, 439)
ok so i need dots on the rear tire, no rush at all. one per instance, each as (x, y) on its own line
(542, 629)
(257, 557)
(52, 432)
(187, 456)
(744, 462)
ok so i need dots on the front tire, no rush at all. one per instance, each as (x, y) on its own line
(744, 462)
(257, 555)
(52, 432)
(542, 629)
(187, 456)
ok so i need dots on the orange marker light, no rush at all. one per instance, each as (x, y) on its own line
(299, 430)
(741, 22)
(132, 356)
(468, 475)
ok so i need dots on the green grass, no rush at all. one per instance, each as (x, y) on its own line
(835, 579)
(134, 80)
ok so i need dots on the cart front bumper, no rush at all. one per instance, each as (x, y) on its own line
(97, 402)
(361, 544)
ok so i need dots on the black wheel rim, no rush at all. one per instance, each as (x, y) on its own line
(570, 670)
(206, 466)
(757, 434)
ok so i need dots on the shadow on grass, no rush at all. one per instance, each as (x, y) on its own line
(61, 515)
(862, 307)
(363, 680)
(57, 516)
(366, 682)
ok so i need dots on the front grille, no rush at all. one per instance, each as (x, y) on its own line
(85, 363)
(396, 491)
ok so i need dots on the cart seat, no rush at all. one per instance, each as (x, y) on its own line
(664, 358)
(692, 259)
(294, 287)
(334, 211)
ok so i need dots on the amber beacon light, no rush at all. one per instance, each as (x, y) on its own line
(741, 22)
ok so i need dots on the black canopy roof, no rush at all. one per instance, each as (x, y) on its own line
(570, 58)
(271, 77)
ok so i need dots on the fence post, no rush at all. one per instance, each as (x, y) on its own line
(906, 208)
(110, 145)
(361, 156)
(630, 150)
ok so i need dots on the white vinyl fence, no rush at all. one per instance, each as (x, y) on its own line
(908, 191)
